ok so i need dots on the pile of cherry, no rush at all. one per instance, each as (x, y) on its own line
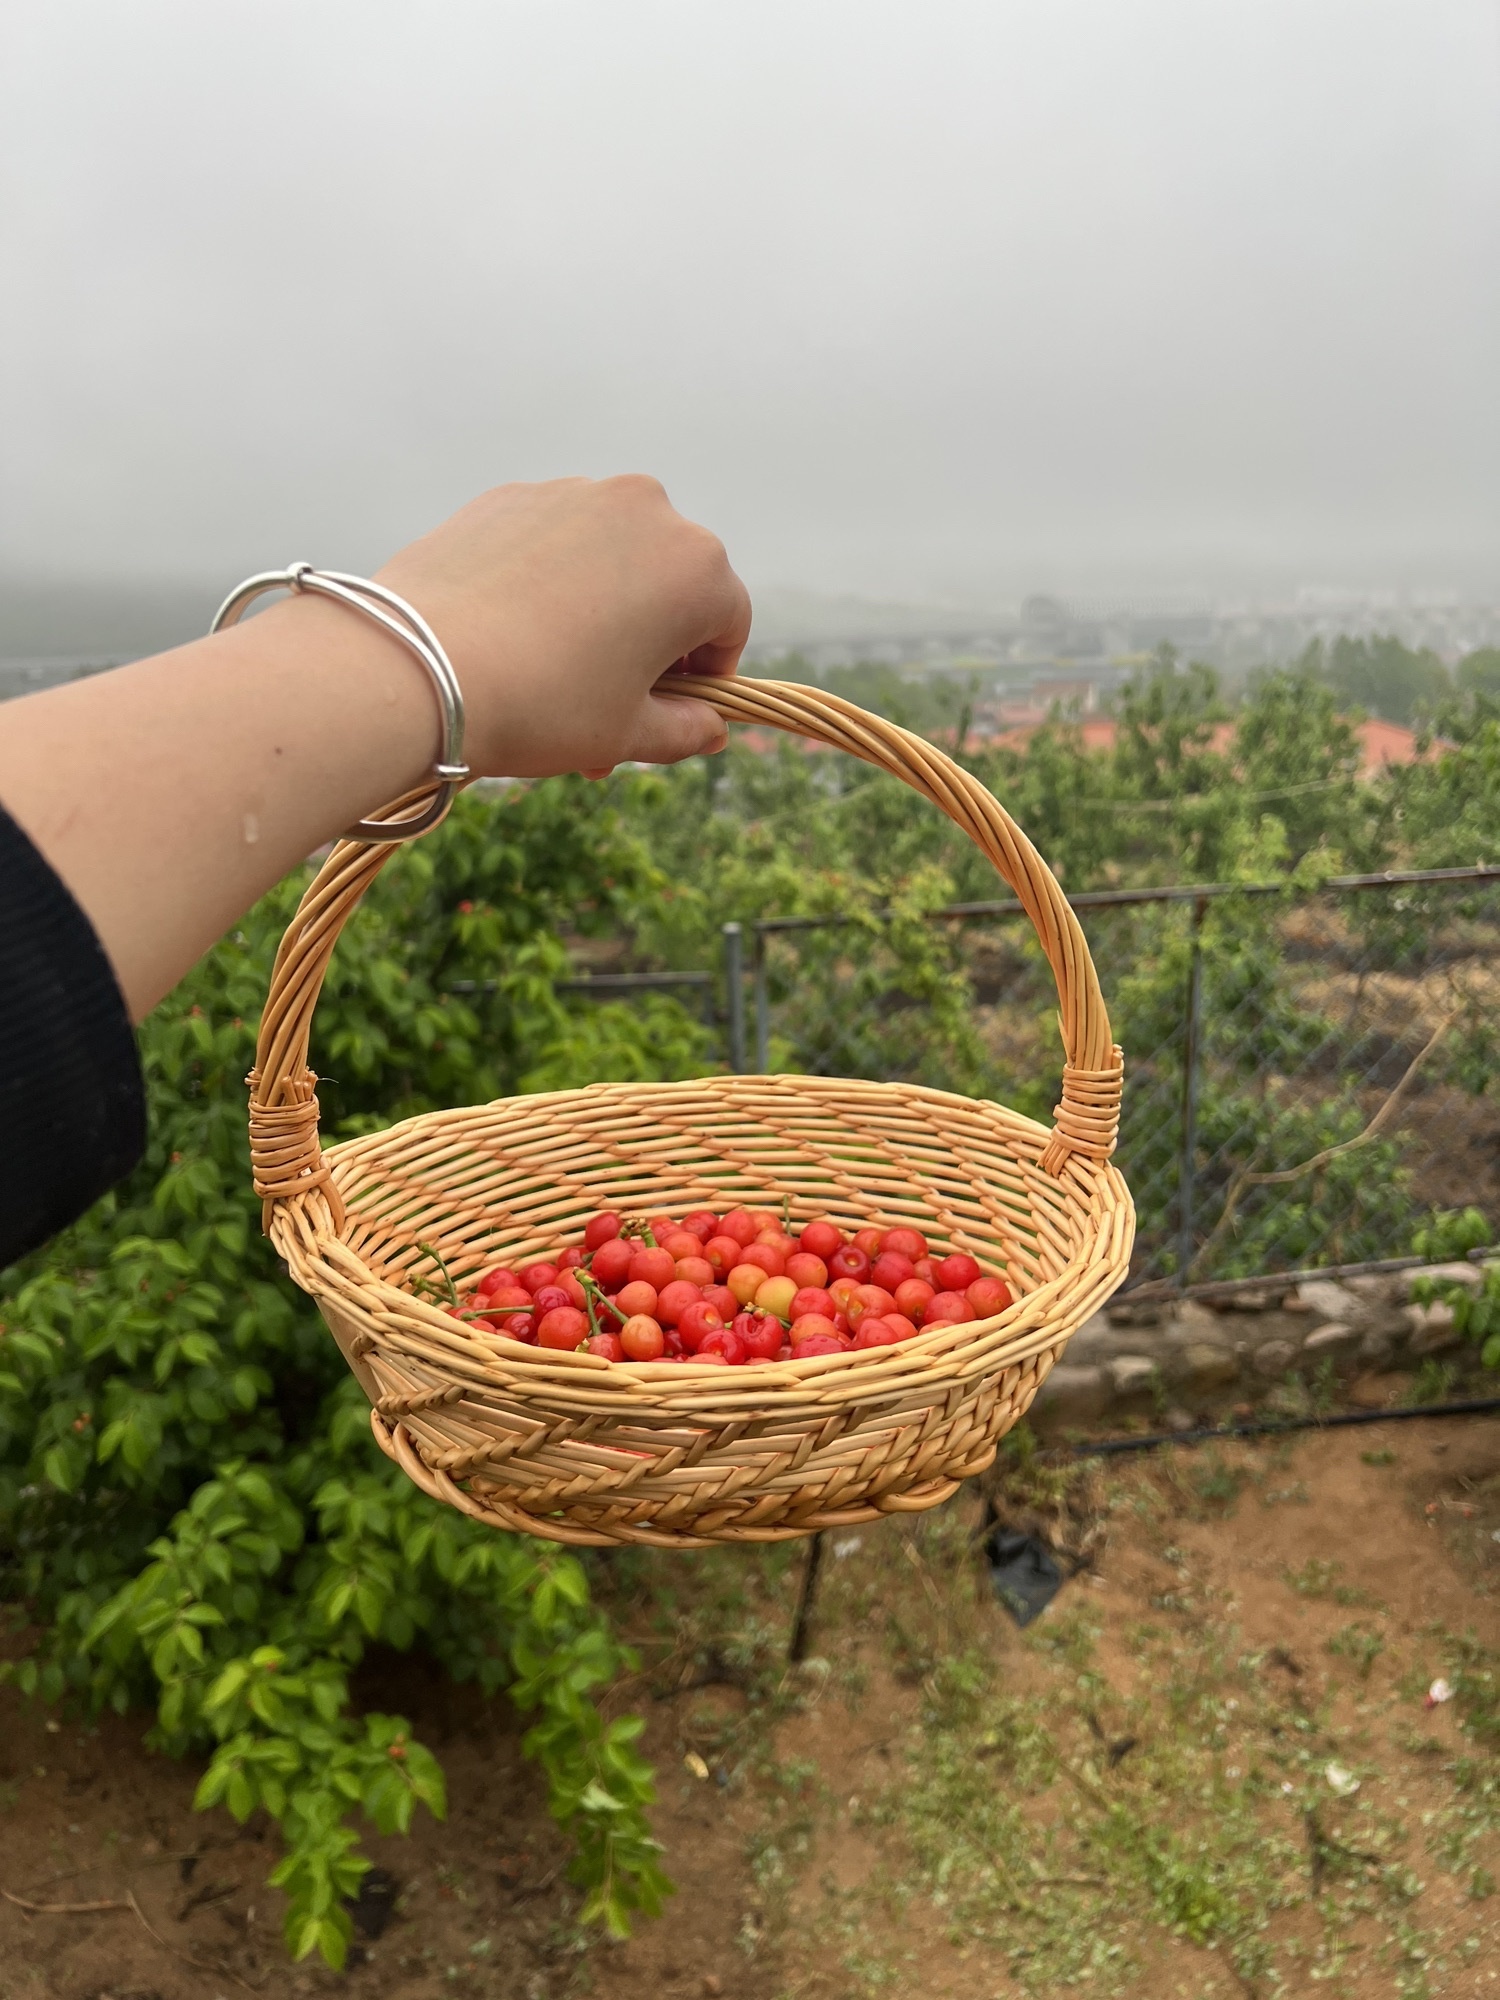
(731, 1289)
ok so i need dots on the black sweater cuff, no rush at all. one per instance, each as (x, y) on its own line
(72, 1103)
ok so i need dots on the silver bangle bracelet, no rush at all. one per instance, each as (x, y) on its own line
(403, 623)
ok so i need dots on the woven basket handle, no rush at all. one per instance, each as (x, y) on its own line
(284, 1152)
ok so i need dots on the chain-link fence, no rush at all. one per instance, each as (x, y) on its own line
(1307, 1071)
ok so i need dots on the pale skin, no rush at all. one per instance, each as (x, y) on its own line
(170, 794)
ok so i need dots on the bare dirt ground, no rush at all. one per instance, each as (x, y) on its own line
(1206, 1770)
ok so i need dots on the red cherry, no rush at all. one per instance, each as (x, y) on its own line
(849, 1261)
(660, 1226)
(766, 1256)
(637, 1297)
(703, 1223)
(723, 1340)
(812, 1299)
(505, 1296)
(739, 1225)
(877, 1333)
(870, 1241)
(652, 1267)
(869, 1302)
(764, 1218)
(900, 1325)
(906, 1243)
(723, 1252)
(715, 1360)
(805, 1269)
(694, 1270)
(570, 1259)
(537, 1275)
(891, 1269)
(723, 1301)
(958, 1272)
(672, 1301)
(546, 1297)
(493, 1280)
(564, 1326)
(606, 1344)
(926, 1270)
(946, 1306)
(821, 1238)
(777, 1239)
(760, 1336)
(813, 1326)
(642, 1339)
(600, 1228)
(612, 1261)
(817, 1343)
(988, 1296)
(912, 1297)
(697, 1323)
(567, 1281)
(681, 1243)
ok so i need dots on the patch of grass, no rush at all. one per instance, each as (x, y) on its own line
(1318, 1577)
(1060, 1823)
(1385, 1456)
(1432, 1383)
(1360, 1644)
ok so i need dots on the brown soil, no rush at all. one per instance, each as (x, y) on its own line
(791, 1886)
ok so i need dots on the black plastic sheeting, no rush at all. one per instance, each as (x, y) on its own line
(1023, 1571)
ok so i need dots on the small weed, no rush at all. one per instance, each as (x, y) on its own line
(1433, 1383)
(1318, 1577)
(1385, 1456)
(1360, 1644)
(1215, 1482)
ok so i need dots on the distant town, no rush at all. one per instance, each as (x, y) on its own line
(1073, 651)
(1079, 649)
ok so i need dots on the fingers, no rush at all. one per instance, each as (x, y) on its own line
(673, 727)
(720, 652)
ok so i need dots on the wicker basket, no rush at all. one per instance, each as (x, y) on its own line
(578, 1449)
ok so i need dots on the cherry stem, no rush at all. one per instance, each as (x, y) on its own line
(591, 1294)
(436, 1256)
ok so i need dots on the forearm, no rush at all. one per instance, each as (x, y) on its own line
(171, 794)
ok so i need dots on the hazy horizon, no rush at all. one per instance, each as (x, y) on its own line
(937, 307)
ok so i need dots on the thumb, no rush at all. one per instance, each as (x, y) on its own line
(671, 727)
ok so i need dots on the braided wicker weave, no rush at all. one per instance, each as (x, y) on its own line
(578, 1449)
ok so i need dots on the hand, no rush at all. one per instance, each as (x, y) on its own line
(561, 605)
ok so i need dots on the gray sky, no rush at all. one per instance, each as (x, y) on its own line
(929, 299)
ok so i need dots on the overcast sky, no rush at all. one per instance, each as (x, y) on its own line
(930, 299)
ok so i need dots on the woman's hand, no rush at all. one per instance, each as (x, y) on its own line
(170, 794)
(561, 606)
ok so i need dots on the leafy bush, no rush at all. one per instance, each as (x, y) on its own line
(195, 1516)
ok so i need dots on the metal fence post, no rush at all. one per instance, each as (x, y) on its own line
(1191, 1051)
(762, 1005)
(734, 995)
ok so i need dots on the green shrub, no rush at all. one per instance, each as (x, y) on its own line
(195, 1516)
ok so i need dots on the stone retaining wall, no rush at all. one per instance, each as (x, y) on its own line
(1193, 1358)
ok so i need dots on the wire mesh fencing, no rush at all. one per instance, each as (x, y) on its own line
(1308, 1070)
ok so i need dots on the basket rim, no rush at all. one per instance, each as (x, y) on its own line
(348, 1151)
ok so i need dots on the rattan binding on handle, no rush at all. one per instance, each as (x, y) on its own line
(285, 1153)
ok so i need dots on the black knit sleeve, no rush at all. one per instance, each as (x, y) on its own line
(72, 1105)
